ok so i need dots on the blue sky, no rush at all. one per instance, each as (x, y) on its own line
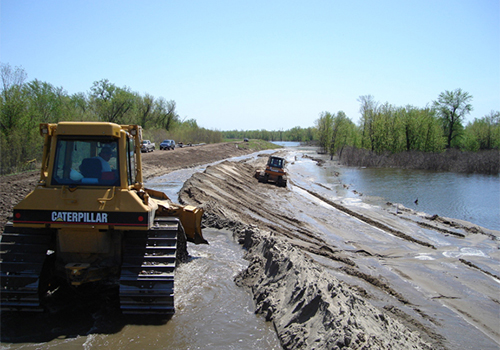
(261, 64)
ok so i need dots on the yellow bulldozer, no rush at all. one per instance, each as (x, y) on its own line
(90, 221)
(274, 172)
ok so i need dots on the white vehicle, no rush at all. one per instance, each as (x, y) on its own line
(147, 146)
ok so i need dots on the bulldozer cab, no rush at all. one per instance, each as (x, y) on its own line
(90, 154)
(276, 162)
(83, 161)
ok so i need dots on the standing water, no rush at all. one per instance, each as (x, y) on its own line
(470, 197)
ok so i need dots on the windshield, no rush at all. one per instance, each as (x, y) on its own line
(86, 162)
(276, 162)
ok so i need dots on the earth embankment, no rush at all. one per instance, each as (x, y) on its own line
(332, 276)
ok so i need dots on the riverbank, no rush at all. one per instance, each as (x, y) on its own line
(453, 160)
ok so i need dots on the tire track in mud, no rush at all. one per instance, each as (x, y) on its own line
(236, 191)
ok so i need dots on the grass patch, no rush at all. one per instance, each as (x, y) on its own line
(257, 145)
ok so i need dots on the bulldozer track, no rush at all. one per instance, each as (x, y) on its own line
(147, 274)
(23, 252)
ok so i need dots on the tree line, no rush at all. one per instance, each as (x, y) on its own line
(25, 104)
(385, 128)
(382, 129)
(295, 134)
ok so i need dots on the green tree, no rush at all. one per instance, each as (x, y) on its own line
(145, 110)
(325, 129)
(381, 129)
(45, 102)
(165, 115)
(431, 132)
(368, 109)
(452, 107)
(483, 133)
(111, 103)
(77, 107)
(14, 105)
(343, 133)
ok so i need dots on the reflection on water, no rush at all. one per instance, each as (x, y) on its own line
(470, 197)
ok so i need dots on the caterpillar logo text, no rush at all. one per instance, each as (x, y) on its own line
(70, 216)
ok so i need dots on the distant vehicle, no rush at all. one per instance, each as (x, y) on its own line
(274, 172)
(167, 145)
(147, 146)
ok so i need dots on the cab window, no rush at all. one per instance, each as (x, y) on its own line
(86, 162)
(131, 166)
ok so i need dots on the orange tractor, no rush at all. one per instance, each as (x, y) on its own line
(274, 172)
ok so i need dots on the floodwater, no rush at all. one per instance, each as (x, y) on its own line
(211, 312)
(471, 197)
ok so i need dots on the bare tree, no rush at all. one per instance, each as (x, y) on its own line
(12, 102)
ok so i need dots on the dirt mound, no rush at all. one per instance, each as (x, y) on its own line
(312, 309)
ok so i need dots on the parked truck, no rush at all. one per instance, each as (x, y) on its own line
(90, 223)
(147, 146)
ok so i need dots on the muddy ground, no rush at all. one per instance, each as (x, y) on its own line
(331, 275)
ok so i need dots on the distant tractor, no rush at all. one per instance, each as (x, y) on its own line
(274, 172)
